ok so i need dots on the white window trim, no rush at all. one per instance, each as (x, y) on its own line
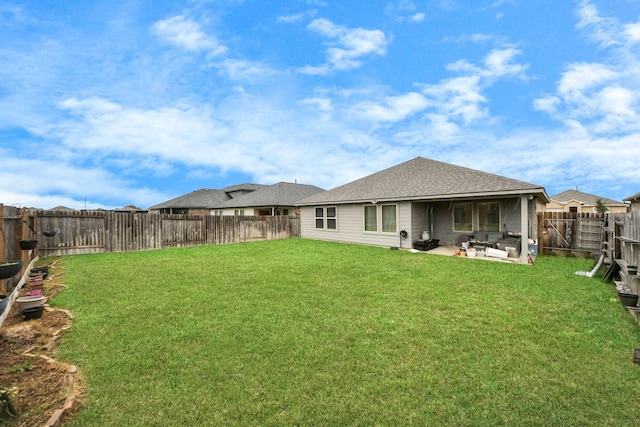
(500, 220)
(325, 218)
(379, 225)
(453, 217)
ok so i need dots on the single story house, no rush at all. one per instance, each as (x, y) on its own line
(273, 200)
(201, 202)
(579, 202)
(634, 202)
(239, 200)
(424, 198)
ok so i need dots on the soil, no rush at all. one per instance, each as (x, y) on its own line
(49, 391)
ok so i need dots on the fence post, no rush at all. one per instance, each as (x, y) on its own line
(24, 235)
(3, 282)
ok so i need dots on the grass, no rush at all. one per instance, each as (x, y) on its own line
(300, 332)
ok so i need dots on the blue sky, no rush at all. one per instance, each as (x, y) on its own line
(106, 104)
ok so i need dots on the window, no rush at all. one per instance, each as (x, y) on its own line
(174, 211)
(319, 217)
(239, 212)
(371, 218)
(332, 222)
(327, 216)
(388, 215)
(388, 218)
(217, 212)
(463, 217)
(489, 216)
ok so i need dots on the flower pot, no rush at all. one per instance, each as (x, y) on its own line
(4, 302)
(629, 300)
(33, 312)
(28, 302)
(49, 233)
(26, 245)
(10, 268)
(36, 286)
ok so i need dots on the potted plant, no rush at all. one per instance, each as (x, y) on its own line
(33, 312)
(28, 302)
(4, 301)
(629, 300)
(10, 268)
(26, 245)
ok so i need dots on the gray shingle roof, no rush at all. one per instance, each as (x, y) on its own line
(584, 198)
(633, 198)
(203, 198)
(422, 178)
(280, 194)
(243, 187)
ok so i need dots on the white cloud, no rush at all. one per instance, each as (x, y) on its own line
(417, 17)
(188, 34)
(393, 109)
(243, 70)
(632, 32)
(548, 104)
(580, 77)
(456, 99)
(604, 97)
(347, 46)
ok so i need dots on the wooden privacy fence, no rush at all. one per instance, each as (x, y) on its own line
(573, 232)
(81, 232)
(622, 255)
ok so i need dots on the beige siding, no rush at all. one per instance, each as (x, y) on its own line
(350, 226)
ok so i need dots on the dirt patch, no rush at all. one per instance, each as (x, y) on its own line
(49, 391)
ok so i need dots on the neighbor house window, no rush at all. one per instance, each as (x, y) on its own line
(463, 217)
(371, 218)
(175, 211)
(389, 218)
(327, 218)
(489, 216)
(217, 212)
(239, 212)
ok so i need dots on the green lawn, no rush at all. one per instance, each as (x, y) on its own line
(300, 332)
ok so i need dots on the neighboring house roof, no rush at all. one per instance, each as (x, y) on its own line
(634, 198)
(422, 178)
(61, 208)
(243, 187)
(583, 198)
(129, 209)
(203, 198)
(280, 194)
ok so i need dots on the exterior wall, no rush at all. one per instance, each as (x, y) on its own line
(350, 226)
(443, 218)
(414, 218)
(198, 211)
(256, 211)
(554, 207)
(580, 207)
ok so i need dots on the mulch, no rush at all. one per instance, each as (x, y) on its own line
(49, 391)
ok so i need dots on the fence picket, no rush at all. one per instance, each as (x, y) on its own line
(80, 232)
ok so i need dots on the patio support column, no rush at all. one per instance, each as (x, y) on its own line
(524, 226)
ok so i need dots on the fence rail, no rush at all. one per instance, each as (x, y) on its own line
(573, 232)
(82, 232)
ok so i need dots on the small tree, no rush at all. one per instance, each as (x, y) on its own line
(600, 206)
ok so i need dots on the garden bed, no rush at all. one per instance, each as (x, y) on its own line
(45, 386)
